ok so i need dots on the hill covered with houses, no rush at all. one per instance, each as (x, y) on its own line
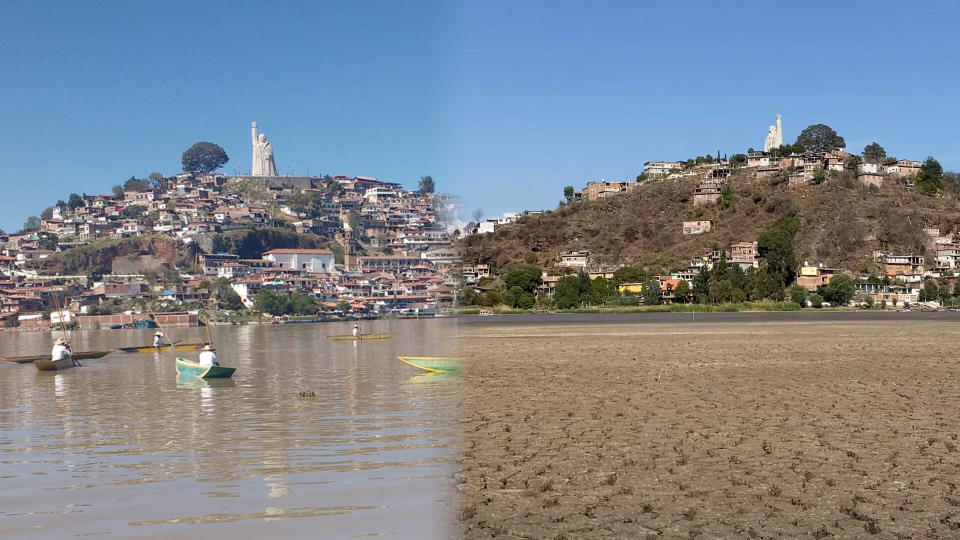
(770, 220)
(338, 245)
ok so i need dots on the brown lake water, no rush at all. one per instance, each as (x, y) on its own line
(121, 448)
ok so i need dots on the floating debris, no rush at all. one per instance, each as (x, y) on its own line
(308, 393)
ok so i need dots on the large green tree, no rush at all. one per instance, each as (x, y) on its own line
(820, 138)
(930, 177)
(874, 153)
(204, 157)
(427, 184)
(839, 290)
(525, 277)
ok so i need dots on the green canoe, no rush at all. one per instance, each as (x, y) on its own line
(434, 363)
(186, 367)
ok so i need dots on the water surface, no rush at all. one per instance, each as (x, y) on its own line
(121, 447)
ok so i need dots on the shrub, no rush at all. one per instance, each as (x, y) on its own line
(816, 300)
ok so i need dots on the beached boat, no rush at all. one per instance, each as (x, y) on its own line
(361, 337)
(186, 367)
(82, 355)
(434, 363)
(178, 346)
(54, 365)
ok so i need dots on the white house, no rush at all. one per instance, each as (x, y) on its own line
(314, 261)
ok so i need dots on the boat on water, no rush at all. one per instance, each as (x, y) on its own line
(187, 368)
(178, 347)
(361, 337)
(439, 364)
(193, 381)
(82, 355)
(54, 365)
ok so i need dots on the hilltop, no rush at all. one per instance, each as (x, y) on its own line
(842, 222)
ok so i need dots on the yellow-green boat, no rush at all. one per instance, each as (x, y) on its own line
(361, 337)
(187, 368)
(178, 347)
(55, 365)
(437, 364)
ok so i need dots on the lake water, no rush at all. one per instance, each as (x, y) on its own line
(121, 448)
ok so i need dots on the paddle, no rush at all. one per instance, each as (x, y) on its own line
(162, 329)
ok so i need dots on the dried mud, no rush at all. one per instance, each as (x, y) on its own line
(754, 430)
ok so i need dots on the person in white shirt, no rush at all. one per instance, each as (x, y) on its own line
(157, 338)
(209, 357)
(60, 350)
(356, 331)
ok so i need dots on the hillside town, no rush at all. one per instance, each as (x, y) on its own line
(897, 280)
(381, 250)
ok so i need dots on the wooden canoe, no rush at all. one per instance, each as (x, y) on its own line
(361, 337)
(186, 367)
(434, 363)
(82, 355)
(178, 346)
(51, 365)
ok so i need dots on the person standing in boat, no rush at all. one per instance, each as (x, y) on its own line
(208, 357)
(60, 350)
(158, 339)
(356, 331)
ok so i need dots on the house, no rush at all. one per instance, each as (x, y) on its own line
(903, 167)
(314, 261)
(948, 255)
(473, 273)
(811, 277)
(662, 168)
(758, 159)
(696, 227)
(744, 254)
(899, 265)
(600, 190)
(706, 193)
(573, 259)
(834, 161)
(870, 179)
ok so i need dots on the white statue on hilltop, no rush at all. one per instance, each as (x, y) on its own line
(774, 137)
(263, 164)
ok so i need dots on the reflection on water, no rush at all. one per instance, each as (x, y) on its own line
(123, 446)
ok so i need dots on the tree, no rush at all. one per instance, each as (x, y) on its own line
(816, 300)
(853, 162)
(158, 181)
(776, 248)
(738, 159)
(47, 213)
(798, 295)
(568, 193)
(874, 153)
(49, 241)
(134, 211)
(477, 215)
(930, 177)
(839, 290)
(136, 184)
(682, 291)
(118, 191)
(630, 274)
(651, 293)
(75, 201)
(204, 157)
(930, 291)
(526, 278)
(31, 224)
(819, 174)
(701, 286)
(227, 297)
(567, 292)
(308, 203)
(602, 290)
(820, 138)
(426, 185)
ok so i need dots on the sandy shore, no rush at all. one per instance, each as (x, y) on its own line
(820, 429)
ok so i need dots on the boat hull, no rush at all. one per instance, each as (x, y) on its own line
(193, 369)
(434, 363)
(361, 337)
(54, 365)
(82, 355)
(177, 347)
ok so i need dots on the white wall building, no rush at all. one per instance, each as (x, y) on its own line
(314, 261)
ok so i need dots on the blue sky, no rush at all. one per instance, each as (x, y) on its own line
(503, 103)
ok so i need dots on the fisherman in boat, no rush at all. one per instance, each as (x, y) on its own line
(208, 357)
(356, 331)
(60, 350)
(158, 339)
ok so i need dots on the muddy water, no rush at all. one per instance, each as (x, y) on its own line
(121, 448)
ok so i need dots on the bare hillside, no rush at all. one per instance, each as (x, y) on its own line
(842, 223)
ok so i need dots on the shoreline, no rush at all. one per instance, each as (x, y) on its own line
(708, 317)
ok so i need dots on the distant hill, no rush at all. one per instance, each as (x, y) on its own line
(841, 223)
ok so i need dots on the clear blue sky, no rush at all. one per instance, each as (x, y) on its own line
(503, 103)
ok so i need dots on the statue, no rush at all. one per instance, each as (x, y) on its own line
(263, 164)
(774, 137)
